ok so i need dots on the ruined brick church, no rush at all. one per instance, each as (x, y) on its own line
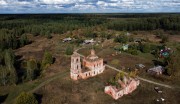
(90, 66)
(127, 86)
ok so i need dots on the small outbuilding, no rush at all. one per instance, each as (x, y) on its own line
(140, 66)
(89, 41)
(67, 39)
(158, 70)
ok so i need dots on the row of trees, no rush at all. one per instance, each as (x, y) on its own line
(166, 23)
(30, 71)
(35, 68)
(41, 25)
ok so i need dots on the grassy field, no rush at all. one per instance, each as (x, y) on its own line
(91, 91)
(128, 61)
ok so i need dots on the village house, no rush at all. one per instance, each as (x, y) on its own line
(126, 86)
(89, 41)
(90, 66)
(164, 53)
(67, 39)
(140, 66)
(158, 70)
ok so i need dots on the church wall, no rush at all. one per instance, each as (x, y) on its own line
(128, 89)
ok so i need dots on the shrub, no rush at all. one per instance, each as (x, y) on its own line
(132, 51)
(48, 35)
(23, 40)
(47, 60)
(26, 98)
(78, 41)
(69, 50)
(31, 69)
(145, 48)
(131, 39)
(121, 39)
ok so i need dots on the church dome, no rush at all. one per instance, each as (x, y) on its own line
(92, 56)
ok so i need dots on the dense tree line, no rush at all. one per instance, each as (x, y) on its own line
(134, 24)
(45, 23)
(9, 40)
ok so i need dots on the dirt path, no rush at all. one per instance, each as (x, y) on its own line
(145, 80)
(43, 83)
(58, 75)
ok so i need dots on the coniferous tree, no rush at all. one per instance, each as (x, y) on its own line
(9, 62)
(23, 40)
(3, 75)
(47, 60)
(9, 59)
(31, 69)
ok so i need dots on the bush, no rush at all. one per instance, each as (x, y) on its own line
(145, 48)
(133, 47)
(133, 52)
(23, 40)
(105, 35)
(118, 48)
(48, 35)
(31, 69)
(26, 98)
(121, 39)
(78, 41)
(47, 60)
(131, 39)
(69, 50)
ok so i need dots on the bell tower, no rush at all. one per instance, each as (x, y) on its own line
(75, 66)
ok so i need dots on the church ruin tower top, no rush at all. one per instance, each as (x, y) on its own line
(92, 56)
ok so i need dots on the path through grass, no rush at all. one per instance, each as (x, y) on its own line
(32, 86)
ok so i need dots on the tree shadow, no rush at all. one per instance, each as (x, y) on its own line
(105, 62)
(54, 59)
(20, 71)
(38, 97)
(3, 98)
(156, 63)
